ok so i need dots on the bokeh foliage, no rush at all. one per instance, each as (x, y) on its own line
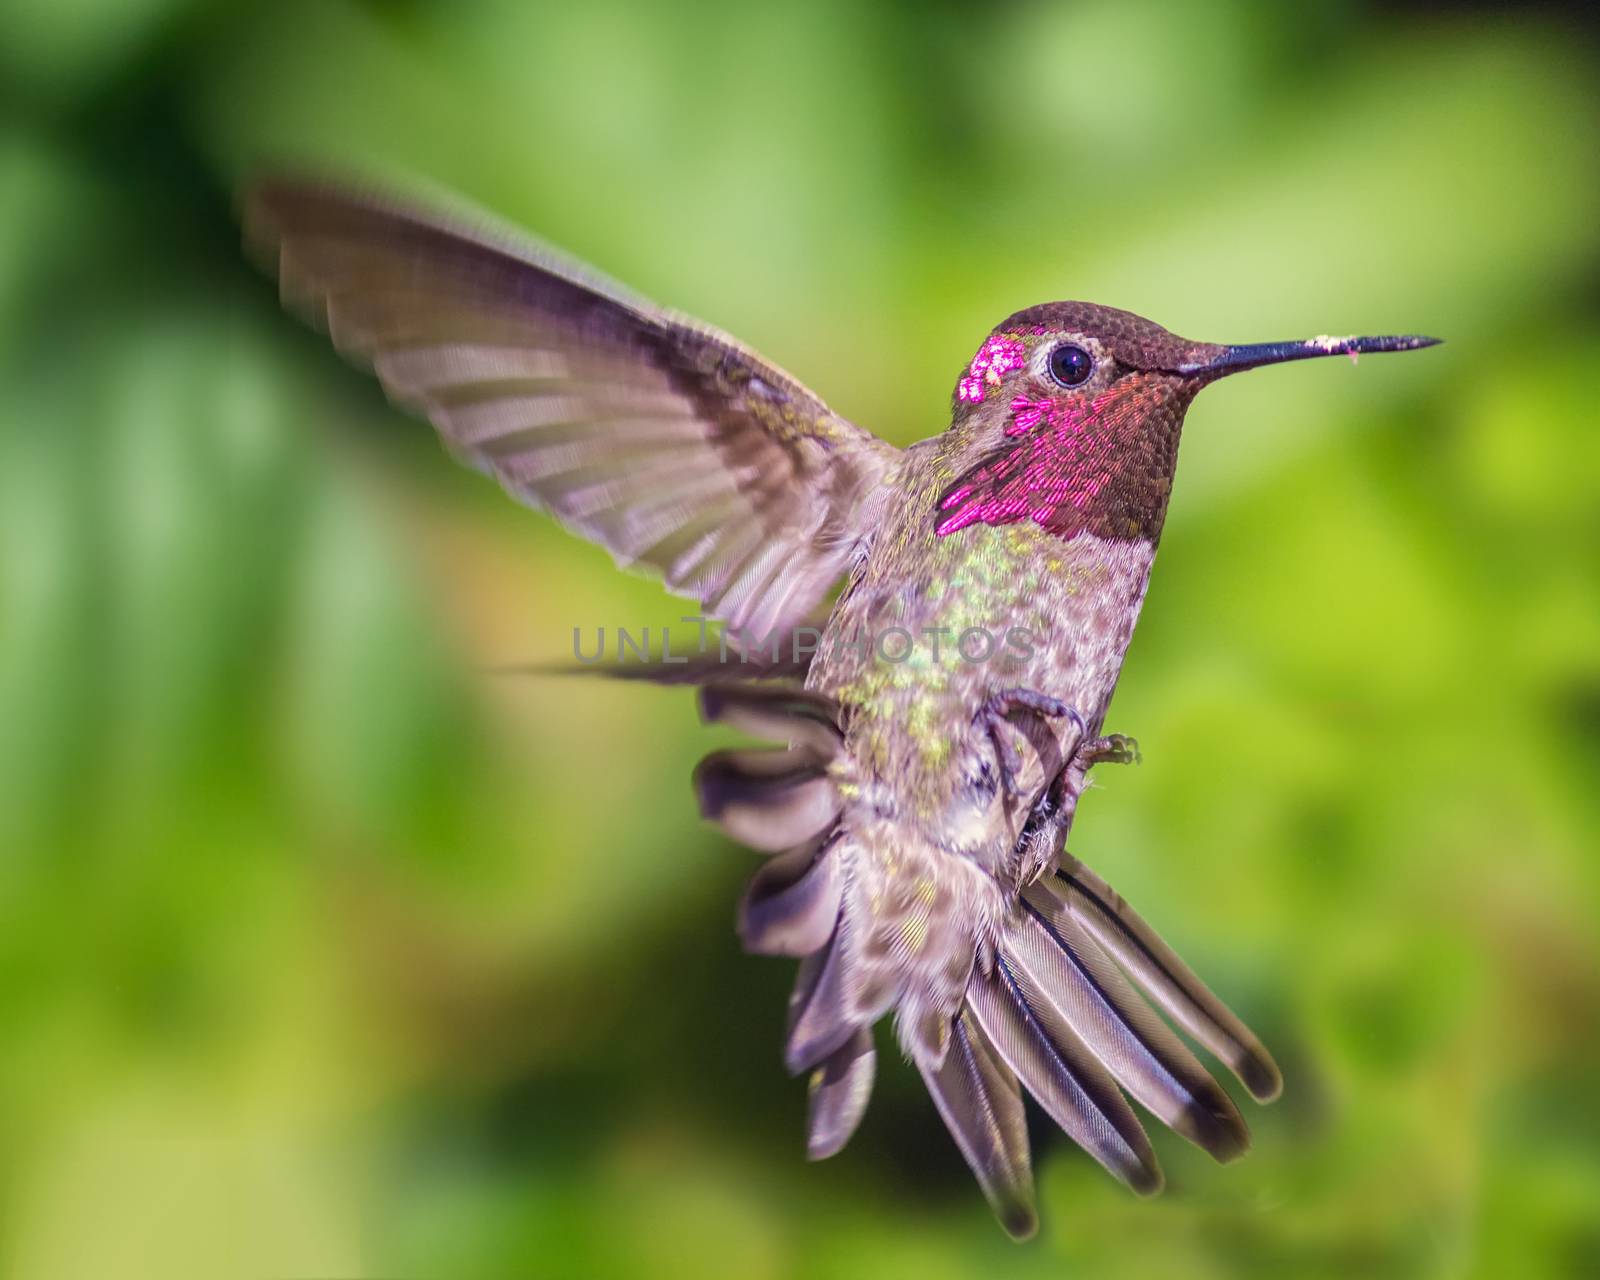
(323, 952)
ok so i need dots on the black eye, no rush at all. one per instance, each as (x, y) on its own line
(1070, 365)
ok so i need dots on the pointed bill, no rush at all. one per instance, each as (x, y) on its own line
(1217, 361)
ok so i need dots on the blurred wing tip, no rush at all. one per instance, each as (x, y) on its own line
(282, 200)
(276, 189)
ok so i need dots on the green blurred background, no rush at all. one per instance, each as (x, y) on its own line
(325, 953)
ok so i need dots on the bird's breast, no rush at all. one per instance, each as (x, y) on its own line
(930, 628)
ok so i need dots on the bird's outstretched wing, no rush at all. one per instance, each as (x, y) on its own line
(668, 443)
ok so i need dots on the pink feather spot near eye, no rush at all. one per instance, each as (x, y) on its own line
(999, 355)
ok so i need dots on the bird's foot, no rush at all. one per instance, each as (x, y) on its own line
(994, 715)
(1113, 748)
(1058, 799)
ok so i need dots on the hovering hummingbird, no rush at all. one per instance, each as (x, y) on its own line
(936, 737)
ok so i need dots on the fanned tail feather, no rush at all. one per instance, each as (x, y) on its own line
(1063, 1076)
(1168, 981)
(1068, 969)
(978, 1097)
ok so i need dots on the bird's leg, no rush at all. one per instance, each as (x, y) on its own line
(994, 716)
(1044, 833)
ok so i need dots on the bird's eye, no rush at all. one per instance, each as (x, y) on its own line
(1070, 365)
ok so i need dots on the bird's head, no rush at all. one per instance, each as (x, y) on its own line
(1069, 416)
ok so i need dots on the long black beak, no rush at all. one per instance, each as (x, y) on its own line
(1254, 355)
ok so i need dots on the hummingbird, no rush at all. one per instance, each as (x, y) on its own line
(966, 604)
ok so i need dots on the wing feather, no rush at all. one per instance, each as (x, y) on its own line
(669, 443)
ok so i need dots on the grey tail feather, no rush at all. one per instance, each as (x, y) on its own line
(1056, 1013)
(1047, 947)
(1064, 1077)
(1047, 1010)
(1164, 977)
(978, 1097)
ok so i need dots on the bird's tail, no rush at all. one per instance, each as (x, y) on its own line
(1060, 1017)
(1042, 997)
